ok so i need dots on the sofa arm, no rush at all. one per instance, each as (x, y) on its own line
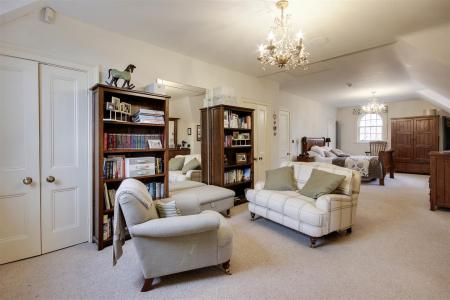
(259, 185)
(333, 201)
(176, 226)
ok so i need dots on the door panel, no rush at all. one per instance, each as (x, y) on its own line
(284, 135)
(425, 138)
(19, 158)
(402, 139)
(64, 136)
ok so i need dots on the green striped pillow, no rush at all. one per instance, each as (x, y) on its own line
(166, 210)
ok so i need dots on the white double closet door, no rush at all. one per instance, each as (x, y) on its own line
(44, 197)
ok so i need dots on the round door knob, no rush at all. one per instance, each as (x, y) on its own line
(50, 179)
(27, 180)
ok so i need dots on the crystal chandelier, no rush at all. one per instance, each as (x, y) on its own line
(373, 107)
(283, 48)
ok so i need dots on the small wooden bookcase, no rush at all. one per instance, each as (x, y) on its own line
(127, 134)
(223, 142)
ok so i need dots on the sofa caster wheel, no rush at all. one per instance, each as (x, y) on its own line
(228, 213)
(252, 216)
(312, 242)
(226, 267)
(147, 285)
(349, 230)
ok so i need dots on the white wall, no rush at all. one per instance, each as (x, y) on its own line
(188, 110)
(308, 118)
(348, 127)
(81, 43)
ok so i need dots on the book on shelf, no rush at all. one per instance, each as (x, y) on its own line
(232, 120)
(106, 197)
(117, 167)
(109, 197)
(237, 175)
(148, 116)
(119, 141)
(156, 189)
(107, 227)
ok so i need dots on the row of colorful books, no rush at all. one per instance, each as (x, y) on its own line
(232, 120)
(113, 141)
(237, 175)
(116, 167)
(156, 190)
(148, 116)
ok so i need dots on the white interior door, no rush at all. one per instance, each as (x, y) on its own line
(284, 135)
(64, 157)
(260, 131)
(19, 160)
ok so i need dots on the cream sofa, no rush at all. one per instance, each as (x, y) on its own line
(314, 218)
(193, 175)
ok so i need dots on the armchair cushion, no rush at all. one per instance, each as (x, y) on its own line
(321, 183)
(176, 226)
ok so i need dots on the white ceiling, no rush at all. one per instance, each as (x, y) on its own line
(227, 32)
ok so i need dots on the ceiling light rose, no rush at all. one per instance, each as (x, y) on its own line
(283, 48)
(373, 107)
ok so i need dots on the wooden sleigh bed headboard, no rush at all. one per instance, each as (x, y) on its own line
(308, 142)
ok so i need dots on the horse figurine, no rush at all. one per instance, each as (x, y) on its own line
(125, 75)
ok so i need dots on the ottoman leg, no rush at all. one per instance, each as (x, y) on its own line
(226, 267)
(228, 212)
(312, 242)
(252, 216)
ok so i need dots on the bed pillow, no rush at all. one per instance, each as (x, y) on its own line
(281, 179)
(330, 154)
(176, 163)
(339, 153)
(320, 150)
(321, 183)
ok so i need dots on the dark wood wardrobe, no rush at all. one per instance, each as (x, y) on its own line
(412, 139)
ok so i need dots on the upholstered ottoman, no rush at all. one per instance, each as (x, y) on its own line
(209, 197)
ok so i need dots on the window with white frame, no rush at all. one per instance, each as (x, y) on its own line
(370, 127)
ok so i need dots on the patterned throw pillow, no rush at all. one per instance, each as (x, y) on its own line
(166, 210)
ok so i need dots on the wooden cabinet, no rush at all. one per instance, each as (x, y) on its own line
(117, 140)
(412, 139)
(439, 179)
(227, 147)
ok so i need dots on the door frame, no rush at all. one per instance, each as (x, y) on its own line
(93, 73)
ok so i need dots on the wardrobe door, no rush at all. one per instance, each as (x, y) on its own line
(402, 140)
(426, 138)
(64, 157)
(19, 160)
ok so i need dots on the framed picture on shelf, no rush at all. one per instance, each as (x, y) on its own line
(235, 135)
(246, 136)
(199, 133)
(110, 106)
(125, 108)
(241, 158)
(116, 102)
(154, 144)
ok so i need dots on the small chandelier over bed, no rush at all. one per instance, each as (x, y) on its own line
(282, 48)
(373, 107)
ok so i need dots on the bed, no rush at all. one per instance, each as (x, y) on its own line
(370, 167)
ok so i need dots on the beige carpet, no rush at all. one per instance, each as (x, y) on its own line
(399, 249)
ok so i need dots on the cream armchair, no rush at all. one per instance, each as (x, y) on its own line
(176, 244)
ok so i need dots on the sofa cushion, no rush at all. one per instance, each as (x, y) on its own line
(176, 163)
(281, 179)
(289, 204)
(321, 183)
(189, 157)
(193, 164)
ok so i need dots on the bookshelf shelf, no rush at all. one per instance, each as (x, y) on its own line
(123, 123)
(224, 123)
(109, 159)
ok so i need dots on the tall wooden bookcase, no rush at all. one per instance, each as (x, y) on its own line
(101, 94)
(219, 150)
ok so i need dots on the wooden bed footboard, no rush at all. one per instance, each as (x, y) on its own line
(386, 159)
